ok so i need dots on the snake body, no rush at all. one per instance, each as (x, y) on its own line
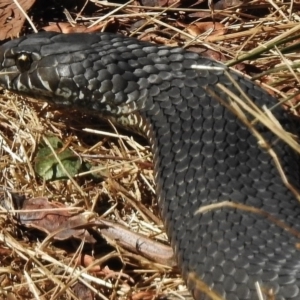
(230, 219)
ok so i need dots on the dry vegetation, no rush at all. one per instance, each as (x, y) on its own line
(262, 33)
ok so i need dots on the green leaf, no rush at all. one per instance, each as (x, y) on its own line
(47, 166)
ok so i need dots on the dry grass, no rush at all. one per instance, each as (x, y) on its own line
(31, 268)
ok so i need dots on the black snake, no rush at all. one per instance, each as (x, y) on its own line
(203, 153)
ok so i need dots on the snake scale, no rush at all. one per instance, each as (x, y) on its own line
(203, 153)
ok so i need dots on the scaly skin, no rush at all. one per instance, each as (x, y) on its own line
(203, 153)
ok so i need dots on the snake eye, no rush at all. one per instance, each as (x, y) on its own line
(23, 62)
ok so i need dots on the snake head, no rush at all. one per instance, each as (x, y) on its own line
(82, 70)
(20, 66)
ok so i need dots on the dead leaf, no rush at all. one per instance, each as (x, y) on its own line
(54, 218)
(82, 292)
(65, 27)
(11, 18)
(223, 4)
(4, 251)
(152, 37)
(148, 295)
(160, 3)
(212, 28)
(204, 14)
(68, 28)
(86, 261)
(209, 53)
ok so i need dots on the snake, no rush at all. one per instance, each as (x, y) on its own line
(231, 217)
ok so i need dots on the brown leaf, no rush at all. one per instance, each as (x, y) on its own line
(202, 14)
(86, 261)
(11, 18)
(148, 295)
(209, 53)
(68, 28)
(223, 4)
(152, 37)
(54, 218)
(160, 3)
(65, 27)
(4, 251)
(82, 292)
(213, 28)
